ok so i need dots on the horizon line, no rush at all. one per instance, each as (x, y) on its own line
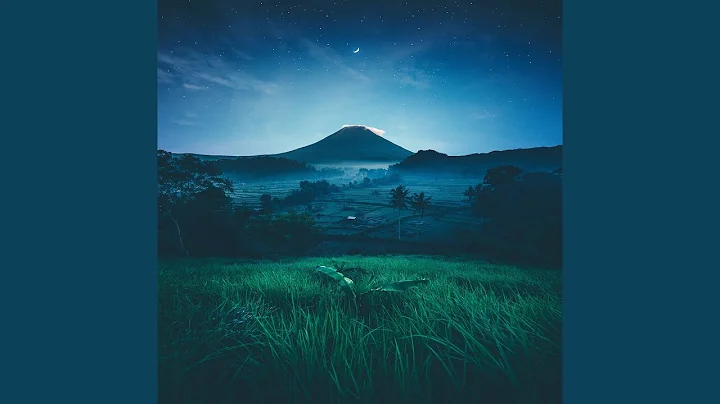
(275, 154)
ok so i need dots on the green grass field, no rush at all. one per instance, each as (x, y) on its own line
(278, 332)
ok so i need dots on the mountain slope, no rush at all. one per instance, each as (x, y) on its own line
(430, 161)
(349, 144)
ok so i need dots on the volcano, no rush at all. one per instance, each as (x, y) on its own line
(352, 143)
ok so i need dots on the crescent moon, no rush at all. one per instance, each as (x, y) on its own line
(356, 50)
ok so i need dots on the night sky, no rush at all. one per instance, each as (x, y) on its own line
(260, 77)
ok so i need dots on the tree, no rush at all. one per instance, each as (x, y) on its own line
(497, 190)
(419, 202)
(208, 227)
(266, 203)
(524, 218)
(290, 232)
(398, 199)
(479, 191)
(470, 193)
(502, 176)
(306, 186)
(180, 181)
(242, 215)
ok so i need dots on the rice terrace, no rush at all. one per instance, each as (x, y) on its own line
(369, 208)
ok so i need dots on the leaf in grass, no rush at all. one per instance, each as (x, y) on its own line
(345, 282)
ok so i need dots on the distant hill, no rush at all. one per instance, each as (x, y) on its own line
(266, 167)
(357, 145)
(350, 144)
(475, 165)
(209, 157)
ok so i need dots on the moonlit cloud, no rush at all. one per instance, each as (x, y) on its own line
(376, 131)
(194, 87)
(415, 78)
(163, 76)
(196, 69)
(184, 122)
(481, 115)
(331, 59)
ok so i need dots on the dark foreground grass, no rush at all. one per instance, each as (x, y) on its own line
(277, 332)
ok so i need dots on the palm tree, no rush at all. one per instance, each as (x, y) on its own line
(398, 199)
(419, 202)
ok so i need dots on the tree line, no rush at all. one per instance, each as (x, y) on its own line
(196, 216)
(521, 212)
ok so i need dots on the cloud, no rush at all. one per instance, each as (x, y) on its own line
(241, 38)
(243, 55)
(399, 65)
(414, 77)
(198, 70)
(487, 38)
(194, 87)
(376, 131)
(188, 119)
(395, 51)
(331, 59)
(240, 81)
(163, 76)
(291, 37)
(184, 122)
(484, 114)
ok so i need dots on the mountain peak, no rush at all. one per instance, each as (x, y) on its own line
(352, 143)
(345, 128)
